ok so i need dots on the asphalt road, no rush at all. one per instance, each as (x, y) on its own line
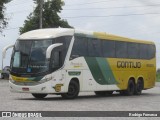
(86, 101)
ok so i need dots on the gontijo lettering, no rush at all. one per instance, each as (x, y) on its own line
(128, 64)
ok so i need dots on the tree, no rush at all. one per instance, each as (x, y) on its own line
(3, 20)
(158, 71)
(50, 19)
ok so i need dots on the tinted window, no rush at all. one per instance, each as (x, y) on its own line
(64, 48)
(108, 48)
(143, 51)
(151, 51)
(59, 53)
(94, 47)
(79, 47)
(121, 49)
(133, 50)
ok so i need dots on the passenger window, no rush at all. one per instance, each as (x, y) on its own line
(143, 51)
(133, 50)
(64, 48)
(151, 51)
(121, 49)
(108, 48)
(94, 47)
(79, 47)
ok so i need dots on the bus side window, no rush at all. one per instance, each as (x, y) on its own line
(79, 47)
(121, 49)
(56, 58)
(133, 50)
(65, 40)
(108, 48)
(143, 51)
(151, 51)
(94, 47)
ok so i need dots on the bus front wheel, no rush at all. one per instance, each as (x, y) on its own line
(39, 96)
(73, 90)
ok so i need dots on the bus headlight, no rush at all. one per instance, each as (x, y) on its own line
(45, 79)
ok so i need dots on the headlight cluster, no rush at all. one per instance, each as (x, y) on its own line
(45, 79)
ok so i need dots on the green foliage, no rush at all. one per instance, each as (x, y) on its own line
(158, 77)
(3, 20)
(51, 18)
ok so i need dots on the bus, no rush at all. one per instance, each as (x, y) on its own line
(65, 61)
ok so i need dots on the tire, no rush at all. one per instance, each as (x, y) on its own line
(130, 89)
(139, 87)
(73, 91)
(39, 96)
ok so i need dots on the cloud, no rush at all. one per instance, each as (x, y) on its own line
(139, 27)
(15, 20)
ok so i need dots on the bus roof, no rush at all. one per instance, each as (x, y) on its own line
(46, 33)
(107, 36)
(57, 32)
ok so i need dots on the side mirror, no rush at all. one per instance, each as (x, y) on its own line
(5, 49)
(57, 59)
(50, 48)
(4, 52)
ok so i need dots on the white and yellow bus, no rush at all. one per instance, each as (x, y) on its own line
(68, 61)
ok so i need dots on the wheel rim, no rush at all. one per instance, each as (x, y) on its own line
(72, 90)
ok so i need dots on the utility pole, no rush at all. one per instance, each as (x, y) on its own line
(41, 13)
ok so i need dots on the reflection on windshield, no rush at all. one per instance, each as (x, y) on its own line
(29, 56)
(16, 62)
(38, 55)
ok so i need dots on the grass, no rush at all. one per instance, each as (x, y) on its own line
(158, 77)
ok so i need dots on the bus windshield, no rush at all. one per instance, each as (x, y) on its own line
(29, 56)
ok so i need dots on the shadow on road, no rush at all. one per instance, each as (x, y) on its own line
(83, 97)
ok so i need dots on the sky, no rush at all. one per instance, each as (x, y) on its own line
(139, 19)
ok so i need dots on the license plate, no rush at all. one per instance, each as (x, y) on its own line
(25, 89)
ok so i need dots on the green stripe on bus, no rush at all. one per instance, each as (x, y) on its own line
(106, 70)
(101, 70)
(95, 70)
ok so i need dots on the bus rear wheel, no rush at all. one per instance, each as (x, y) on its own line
(139, 87)
(73, 91)
(130, 89)
(39, 96)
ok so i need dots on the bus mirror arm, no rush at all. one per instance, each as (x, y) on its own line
(50, 48)
(4, 52)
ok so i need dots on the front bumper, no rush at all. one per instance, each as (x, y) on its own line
(47, 87)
